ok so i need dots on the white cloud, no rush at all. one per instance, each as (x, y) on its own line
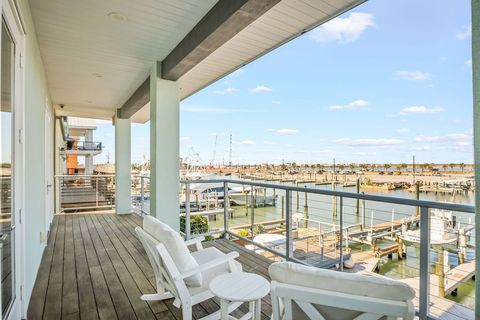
(236, 73)
(328, 150)
(269, 143)
(369, 142)
(420, 110)
(247, 142)
(275, 102)
(468, 63)
(287, 131)
(220, 110)
(354, 105)
(301, 151)
(184, 138)
(422, 148)
(413, 75)
(443, 58)
(343, 30)
(451, 137)
(362, 153)
(466, 33)
(261, 88)
(228, 90)
(403, 130)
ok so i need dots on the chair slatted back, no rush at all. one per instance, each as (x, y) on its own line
(310, 300)
(163, 276)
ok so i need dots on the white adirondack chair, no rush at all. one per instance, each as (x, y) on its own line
(301, 292)
(171, 281)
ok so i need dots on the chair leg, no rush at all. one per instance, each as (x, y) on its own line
(156, 296)
(187, 312)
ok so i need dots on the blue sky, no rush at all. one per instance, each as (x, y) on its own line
(383, 82)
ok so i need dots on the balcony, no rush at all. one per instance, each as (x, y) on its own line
(83, 147)
(270, 222)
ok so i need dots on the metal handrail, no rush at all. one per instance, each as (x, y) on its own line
(360, 196)
(84, 145)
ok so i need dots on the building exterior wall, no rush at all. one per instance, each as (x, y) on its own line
(35, 91)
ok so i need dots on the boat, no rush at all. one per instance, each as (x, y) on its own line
(443, 234)
(241, 197)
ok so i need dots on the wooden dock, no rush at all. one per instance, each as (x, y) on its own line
(458, 275)
(440, 307)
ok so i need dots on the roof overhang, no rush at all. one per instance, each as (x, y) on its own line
(95, 64)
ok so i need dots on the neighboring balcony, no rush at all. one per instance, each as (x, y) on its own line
(91, 148)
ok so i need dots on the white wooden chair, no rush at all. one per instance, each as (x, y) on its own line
(300, 292)
(170, 280)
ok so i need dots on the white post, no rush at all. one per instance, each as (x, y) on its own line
(123, 192)
(476, 137)
(164, 148)
(89, 157)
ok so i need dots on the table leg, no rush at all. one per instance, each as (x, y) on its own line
(224, 309)
(258, 306)
(251, 309)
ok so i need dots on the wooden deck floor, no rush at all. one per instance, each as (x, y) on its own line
(94, 267)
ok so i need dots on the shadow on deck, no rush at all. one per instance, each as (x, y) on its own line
(94, 267)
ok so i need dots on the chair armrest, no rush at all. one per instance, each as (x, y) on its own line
(195, 241)
(211, 264)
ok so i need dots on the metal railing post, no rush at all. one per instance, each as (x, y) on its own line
(226, 207)
(341, 233)
(96, 190)
(187, 210)
(288, 218)
(142, 195)
(252, 210)
(424, 263)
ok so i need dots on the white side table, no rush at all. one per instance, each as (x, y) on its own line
(240, 287)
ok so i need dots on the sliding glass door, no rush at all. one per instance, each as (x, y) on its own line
(7, 173)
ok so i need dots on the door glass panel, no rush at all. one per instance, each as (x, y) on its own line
(6, 172)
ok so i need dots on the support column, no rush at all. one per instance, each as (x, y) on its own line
(123, 193)
(476, 140)
(89, 157)
(164, 148)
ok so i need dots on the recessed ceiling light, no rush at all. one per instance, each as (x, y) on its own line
(116, 16)
(97, 75)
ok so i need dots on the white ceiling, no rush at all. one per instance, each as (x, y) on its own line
(92, 60)
(94, 63)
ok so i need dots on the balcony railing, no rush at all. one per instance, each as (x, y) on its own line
(80, 193)
(84, 145)
(433, 241)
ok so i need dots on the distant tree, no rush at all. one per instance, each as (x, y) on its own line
(351, 166)
(424, 166)
(404, 166)
(364, 166)
(341, 167)
(387, 166)
(451, 165)
(462, 166)
(445, 166)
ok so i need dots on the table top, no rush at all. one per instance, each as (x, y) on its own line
(270, 239)
(240, 286)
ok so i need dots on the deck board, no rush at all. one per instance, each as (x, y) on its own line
(94, 267)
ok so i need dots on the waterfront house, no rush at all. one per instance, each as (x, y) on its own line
(129, 62)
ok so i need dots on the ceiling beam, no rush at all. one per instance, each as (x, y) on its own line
(137, 101)
(220, 24)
